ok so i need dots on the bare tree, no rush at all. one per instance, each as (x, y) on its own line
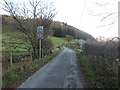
(29, 15)
(107, 15)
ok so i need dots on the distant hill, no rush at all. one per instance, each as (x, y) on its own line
(60, 29)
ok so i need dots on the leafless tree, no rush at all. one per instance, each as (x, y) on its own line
(29, 15)
(112, 16)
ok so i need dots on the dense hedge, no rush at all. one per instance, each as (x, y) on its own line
(103, 58)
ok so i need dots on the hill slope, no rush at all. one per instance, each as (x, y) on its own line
(60, 29)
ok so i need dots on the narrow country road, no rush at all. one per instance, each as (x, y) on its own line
(61, 72)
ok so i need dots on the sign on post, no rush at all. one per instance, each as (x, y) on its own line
(40, 37)
(81, 42)
(40, 32)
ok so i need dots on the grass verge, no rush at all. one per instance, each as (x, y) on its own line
(88, 74)
(21, 71)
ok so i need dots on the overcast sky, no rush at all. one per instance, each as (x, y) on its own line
(87, 15)
(81, 14)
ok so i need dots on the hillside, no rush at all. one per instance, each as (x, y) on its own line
(60, 29)
(11, 41)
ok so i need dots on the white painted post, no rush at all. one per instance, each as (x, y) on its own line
(81, 42)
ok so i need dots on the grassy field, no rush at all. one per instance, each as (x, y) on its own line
(16, 37)
(12, 41)
(10, 38)
(57, 41)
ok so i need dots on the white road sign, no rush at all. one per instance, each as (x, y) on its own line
(40, 32)
(81, 41)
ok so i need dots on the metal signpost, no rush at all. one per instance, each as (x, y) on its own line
(40, 36)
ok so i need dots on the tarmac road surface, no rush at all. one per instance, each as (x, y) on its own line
(61, 72)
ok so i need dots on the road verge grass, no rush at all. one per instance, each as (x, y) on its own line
(21, 71)
(85, 65)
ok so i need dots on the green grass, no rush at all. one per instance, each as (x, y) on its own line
(13, 37)
(89, 73)
(12, 41)
(57, 41)
(16, 73)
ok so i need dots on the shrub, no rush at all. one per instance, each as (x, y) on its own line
(102, 58)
